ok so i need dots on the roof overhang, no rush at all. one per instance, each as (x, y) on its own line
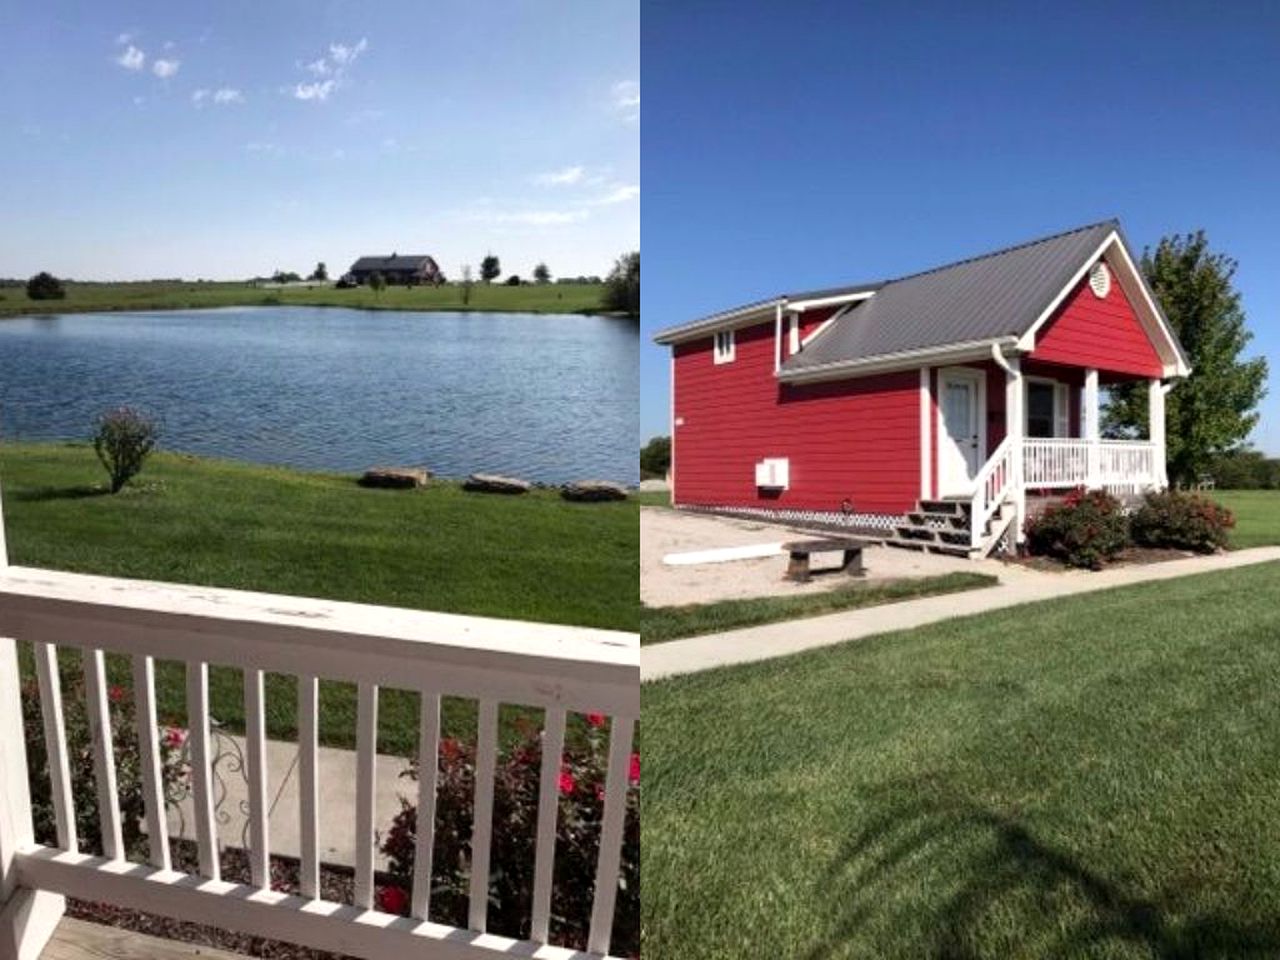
(905, 360)
(754, 313)
(1135, 287)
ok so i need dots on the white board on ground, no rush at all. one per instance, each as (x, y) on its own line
(723, 554)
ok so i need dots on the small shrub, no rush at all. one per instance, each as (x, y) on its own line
(1087, 529)
(174, 767)
(515, 806)
(45, 286)
(1183, 521)
(124, 439)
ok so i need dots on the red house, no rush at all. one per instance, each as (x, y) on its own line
(925, 407)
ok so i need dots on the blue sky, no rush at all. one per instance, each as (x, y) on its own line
(230, 139)
(794, 146)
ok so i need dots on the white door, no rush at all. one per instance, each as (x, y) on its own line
(960, 432)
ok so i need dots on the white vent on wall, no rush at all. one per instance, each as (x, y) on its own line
(773, 473)
(1100, 280)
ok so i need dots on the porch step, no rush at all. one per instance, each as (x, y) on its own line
(931, 546)
(923, 518)
(951, 508)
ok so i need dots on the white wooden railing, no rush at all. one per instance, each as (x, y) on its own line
(1118, 465)
(560, 669)
(996, 479)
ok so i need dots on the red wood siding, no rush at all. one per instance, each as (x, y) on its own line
(854, 439)
(1104, 333)
(811, 320)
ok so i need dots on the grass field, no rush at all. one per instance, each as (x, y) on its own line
(163, 295)
(658, 624)
(226, 524)
(1257, 516)
(1094, 776)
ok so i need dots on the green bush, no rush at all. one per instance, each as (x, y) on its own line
(45, 286)
(1184, 521)
(1087, 529)
(124, 439)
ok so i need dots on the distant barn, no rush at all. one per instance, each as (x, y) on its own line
(408, 270)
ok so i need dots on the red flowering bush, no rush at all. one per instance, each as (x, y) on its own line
(1184, 521)
(515, 815)
(1087, 529)
(174, 771)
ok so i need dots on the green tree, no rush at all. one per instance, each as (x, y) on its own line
(1214, 409)
(541, 274)
(377, 282)
(655, 457)
(45, 286)
(321, 272)
(490, 268)
(622, 286)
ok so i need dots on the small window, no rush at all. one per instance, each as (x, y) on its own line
(724, 346)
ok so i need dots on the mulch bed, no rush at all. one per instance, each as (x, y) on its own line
(336, 884)
(1128, 557)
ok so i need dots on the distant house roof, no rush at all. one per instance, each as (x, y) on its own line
(395, 262)
(997, 297)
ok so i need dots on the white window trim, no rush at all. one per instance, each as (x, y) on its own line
(723, 350)
(1061, 406)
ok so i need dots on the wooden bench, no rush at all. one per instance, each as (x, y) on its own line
(801, 550)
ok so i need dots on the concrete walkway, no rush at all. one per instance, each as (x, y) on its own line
(1017, 585)
(336, 776)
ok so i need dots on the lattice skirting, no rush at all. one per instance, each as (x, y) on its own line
(881, 522)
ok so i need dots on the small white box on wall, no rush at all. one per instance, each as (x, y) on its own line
(773, 473)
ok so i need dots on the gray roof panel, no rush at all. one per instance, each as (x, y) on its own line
(997, 295)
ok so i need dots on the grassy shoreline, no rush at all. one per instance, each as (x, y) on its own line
(228, 524)
(568, 298)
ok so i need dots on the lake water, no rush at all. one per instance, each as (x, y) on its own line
(549, 398)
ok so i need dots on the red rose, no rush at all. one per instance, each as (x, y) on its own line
(567, 783)
(634, 772)
(595, 719)
(393, 899)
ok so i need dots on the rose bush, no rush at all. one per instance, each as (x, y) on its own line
(515, 807)
(1184, 521)
(1087, 529)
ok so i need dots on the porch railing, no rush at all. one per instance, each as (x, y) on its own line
(993, 484)
(1118, 465)
(493, 662)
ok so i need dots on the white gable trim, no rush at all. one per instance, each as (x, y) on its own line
(1150, 317)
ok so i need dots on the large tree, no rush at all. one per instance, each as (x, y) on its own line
(490, 268)
(1213, 410)
(622, 286)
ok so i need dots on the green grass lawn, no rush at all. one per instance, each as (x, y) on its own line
(1089, 777)
(164, 295)
(225, 524)
(658, 624)
(1257, 516)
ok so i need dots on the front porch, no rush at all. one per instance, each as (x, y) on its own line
(1013, 427)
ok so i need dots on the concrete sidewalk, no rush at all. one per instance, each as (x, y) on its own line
(336, 776)
(1017, 585)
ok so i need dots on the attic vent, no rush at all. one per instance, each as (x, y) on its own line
(1100, 280)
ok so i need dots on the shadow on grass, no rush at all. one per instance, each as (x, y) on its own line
(1016, 873)
(42, 494)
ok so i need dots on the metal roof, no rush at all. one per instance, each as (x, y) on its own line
(715, 321)
(990, 297)
(392, 262)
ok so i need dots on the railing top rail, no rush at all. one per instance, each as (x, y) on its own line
(992, 462)
(524, 662)
(1082, 442)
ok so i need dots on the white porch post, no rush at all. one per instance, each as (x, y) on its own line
(1155, 429)
(926, 435)
(27, 917)
(1014, 421)
(1090, 428)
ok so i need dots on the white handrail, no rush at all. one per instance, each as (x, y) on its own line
(489, 661)
(1061, 462)
(992, 484)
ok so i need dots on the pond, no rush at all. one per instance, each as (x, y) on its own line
(549, 398)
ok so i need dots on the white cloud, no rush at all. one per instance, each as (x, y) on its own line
(561, 178)
(132, 58)
(528, 218)
(620, 194)
(626, 95)
(332, 69)
(343, 55)
(222, 95)
(124, 38)
(319, 90)
(164, 69)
